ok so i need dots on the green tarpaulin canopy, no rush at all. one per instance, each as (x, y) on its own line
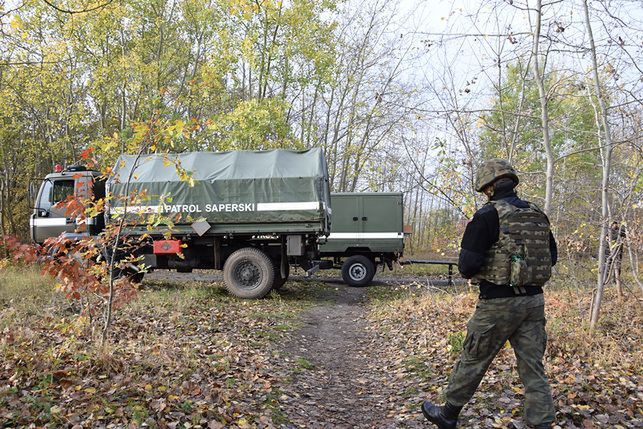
(274, 186)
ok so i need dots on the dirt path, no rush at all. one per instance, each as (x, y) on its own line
(339, 371)
(338, 381)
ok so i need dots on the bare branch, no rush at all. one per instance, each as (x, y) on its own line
(73, 12)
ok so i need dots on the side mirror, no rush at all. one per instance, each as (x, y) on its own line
(43, 213)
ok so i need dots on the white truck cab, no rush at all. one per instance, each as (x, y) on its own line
(53, 216)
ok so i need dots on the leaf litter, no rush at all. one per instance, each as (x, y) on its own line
(311, 356)
(596, 380)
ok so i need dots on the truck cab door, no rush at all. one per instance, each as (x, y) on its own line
(50, 218)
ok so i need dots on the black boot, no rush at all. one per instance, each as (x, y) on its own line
(445, 417)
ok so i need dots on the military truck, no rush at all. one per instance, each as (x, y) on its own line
(250, 213)
(367, 231)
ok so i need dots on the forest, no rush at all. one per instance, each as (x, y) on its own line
(407, 96)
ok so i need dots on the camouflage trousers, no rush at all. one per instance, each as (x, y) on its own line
(521, 321)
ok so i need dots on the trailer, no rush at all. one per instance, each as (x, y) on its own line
(367, 231)
(251, 214)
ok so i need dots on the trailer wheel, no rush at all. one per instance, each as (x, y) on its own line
(358, 270)
(248, 273)
(279, 281)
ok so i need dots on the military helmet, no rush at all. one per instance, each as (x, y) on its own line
(492, 170)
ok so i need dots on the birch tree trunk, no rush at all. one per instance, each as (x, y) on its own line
(606, 160)
(539, 76)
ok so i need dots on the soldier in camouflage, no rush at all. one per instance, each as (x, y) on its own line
(508, 249)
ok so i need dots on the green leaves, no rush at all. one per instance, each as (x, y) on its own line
(253, 124)
(177, 74)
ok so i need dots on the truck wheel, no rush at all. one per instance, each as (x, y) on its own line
(358, 270)
(137, 277)
(133, 275)
(248, 273)
(279, 281)
(131, 271)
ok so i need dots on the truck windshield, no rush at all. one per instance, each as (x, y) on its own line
(55, 191)
(62, 190)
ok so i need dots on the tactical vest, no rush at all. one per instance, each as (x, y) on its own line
(521, 256)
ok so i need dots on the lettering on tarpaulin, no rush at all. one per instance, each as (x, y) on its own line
(230, 207)
(209, 208)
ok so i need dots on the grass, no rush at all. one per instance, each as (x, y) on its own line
(567, 307)
(212, 353)
(417, 365)
(272, 404)
(26, 294)
(304, 363)
(387, 295)
(431, 270)
(456, 341)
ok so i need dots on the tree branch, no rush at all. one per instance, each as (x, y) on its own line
(73, 12)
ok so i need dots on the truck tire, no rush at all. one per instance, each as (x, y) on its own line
(248, 273)
(131, 271)
(279, 281)
(358, 270)
(134, 276)
(137, 277)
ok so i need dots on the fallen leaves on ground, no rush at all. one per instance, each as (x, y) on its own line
(181, 356)
(596, 380)
(189, 356)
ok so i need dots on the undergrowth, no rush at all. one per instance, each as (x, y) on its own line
(25, 294)
(593, 374)
(179, 353)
